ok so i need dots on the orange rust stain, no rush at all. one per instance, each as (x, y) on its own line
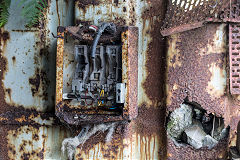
(59, 71)
(169, 155)
(3, 119)
(124, 37)
(31, 116)
(21, 119)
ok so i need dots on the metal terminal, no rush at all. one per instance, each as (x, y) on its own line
(120, 92)
(94, 79)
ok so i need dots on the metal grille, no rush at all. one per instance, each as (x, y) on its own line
(234, 51)
(235, 12)
(183, 15)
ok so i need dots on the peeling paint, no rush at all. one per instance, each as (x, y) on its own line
(218, 43)
(173, 57)
(30, 143)
(144, 137)
(29, 59)
(200, 77)
(133, 147)
(147, 16)
(217, 84)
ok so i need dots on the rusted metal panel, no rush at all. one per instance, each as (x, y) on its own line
(27, 86)
(144, 137)
(183, 15)
(130, 71)
(103, 10)
(28, 117)
(29, 142)
(189, 153)
(234, 56)
(197, 69)
(197, 73)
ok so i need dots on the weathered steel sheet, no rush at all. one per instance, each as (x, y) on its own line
(29, 142)
(197, 68)
(197, 71)
(27, 86)
(28, 58)
(144, 137)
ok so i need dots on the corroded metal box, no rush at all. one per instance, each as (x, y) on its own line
(74, 44)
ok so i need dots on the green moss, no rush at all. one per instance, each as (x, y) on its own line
(33, 11)
(4, 14)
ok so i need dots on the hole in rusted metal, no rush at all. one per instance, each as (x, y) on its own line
(234, 151)
(190, 124)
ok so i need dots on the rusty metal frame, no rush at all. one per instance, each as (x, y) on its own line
(66, 112)
(184, 15)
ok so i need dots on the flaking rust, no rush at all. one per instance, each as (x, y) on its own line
(197, 72)
(194, 64)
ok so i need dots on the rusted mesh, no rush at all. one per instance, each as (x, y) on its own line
(234, 54)
(184, 15)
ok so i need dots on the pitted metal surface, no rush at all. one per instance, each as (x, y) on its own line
(197, 73)
(197, 69)
(189, 153)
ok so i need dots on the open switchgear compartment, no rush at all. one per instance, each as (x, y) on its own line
(95, 78)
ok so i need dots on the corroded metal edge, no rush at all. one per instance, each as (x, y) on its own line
(189, 153)
(181, 28)
(227, 12)
(130, 60)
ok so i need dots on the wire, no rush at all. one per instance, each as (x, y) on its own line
(101, 95)
(113, 107)
(104, 26)
(101, 103)
(213, 125)
(86, 98)
(215, 5)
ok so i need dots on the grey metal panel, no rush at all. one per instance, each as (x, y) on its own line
(30, 56)
(28, 82)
